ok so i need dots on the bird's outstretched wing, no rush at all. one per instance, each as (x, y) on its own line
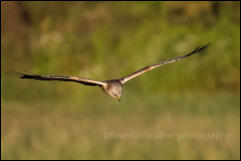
(150, 67)
(81, 80)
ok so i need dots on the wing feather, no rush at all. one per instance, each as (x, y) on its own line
(81, 80)
(150, 67)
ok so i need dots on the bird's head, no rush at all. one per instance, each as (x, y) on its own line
(116, 92)
(114, 89)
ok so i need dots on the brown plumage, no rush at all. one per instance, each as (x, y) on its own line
(112, 87)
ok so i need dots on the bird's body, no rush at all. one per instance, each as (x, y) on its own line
(112, 87)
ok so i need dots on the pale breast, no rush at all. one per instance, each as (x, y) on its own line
(112, 85)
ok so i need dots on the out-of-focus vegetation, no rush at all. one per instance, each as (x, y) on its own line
(104, 40)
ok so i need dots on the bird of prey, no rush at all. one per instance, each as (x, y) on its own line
(112, 87)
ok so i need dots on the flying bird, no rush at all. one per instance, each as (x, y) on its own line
(113, 87)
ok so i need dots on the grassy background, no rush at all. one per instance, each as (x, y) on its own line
(104, 40)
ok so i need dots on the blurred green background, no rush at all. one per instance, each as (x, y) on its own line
(105, 40)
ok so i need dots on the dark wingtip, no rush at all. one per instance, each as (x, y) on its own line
(199, 49)
(24, 76)
(20, 75)
(205, 46)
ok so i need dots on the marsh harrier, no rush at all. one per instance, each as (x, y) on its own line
(112, 87)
